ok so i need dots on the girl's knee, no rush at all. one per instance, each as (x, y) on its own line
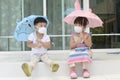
(72, 65)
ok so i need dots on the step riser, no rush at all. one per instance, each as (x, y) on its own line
(96, 68)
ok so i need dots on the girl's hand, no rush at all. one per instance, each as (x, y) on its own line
(85, 37)
(79, 40)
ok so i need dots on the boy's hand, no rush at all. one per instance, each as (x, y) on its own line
(39, 45)
(38, 40)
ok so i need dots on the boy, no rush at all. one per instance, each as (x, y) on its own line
(39, 41)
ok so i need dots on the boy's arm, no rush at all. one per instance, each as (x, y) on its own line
(46, 44)
(41, 44)
(31, 45)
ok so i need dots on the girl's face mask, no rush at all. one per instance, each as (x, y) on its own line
(78, 29)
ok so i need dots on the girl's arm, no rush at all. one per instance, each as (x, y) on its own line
(72, 43)
(88, 41)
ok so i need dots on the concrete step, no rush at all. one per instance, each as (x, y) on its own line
(10, 65)
(59, 55)
(98, 67)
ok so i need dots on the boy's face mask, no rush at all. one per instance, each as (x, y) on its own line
(42, 30)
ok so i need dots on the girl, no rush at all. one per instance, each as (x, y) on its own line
(80, 44)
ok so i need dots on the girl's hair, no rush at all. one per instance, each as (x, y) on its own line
(39, 19)
(83, 21)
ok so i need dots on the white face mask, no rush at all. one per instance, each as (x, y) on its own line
(77, 29)
(42, 30)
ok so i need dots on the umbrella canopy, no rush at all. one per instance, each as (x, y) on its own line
(94, 20)
(25, 27)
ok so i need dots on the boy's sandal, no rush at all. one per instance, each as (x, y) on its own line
(54, 67)
(27, 70)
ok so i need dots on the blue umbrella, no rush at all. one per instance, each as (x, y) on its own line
(25, 27)
(68, 11)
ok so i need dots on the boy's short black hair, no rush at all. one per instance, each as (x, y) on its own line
(39, 19)
(81, 20)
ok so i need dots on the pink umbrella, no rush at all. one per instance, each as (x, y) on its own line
(94, 20)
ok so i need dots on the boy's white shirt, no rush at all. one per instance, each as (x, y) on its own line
(42, 50)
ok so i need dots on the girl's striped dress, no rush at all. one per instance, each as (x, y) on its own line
(81, 53)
